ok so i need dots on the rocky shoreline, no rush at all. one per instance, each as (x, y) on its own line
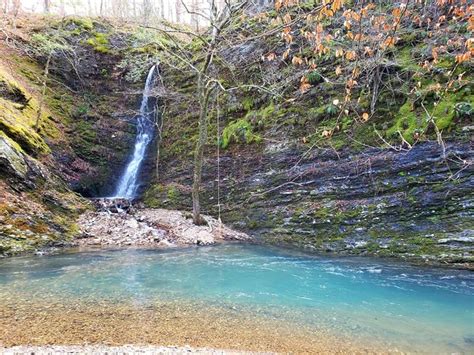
(119, 223)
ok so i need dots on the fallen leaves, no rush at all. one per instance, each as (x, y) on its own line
(304, 85)
(351, 55)
(297, 60)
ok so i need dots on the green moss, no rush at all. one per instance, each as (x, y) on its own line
(323, 213)
(411, 38)
(445, 111)
(239, 131)
(412, 117)
(82, 22)
(247, 103)
(153, 196)
(11, 142)
(446, 62)
(100, 42)
(172, 194)
(267, 111)
(406, 122)
(317, 112)
(25, 137)
(405, 59)
(19, 113)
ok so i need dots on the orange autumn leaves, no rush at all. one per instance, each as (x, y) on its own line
(468, 54)
(360, 34)
(378, 32)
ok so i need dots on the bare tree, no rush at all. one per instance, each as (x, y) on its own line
(48, 46)
(62, 8)
(178, 10)
(206, 82)
(147, 11)
(11, 7)
(44, 86)
(194, 14)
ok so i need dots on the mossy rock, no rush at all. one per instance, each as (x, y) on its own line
(11, 159)
(83, 23)
(240, 131)
(411, 120)
(100, 42)
(17, 119)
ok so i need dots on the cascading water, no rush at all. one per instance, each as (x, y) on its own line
(128, 183)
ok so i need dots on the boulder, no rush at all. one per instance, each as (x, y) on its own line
(12, 161)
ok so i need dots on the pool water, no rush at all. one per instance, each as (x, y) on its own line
(412, 308)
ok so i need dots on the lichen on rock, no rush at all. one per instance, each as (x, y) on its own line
(11, 160)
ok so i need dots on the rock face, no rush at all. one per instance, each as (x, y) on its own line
(150, 227)
(11, 161)
(37, 210)
(412, 204)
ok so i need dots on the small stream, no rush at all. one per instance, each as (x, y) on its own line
(402, 306)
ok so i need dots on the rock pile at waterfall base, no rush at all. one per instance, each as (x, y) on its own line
(151, 227)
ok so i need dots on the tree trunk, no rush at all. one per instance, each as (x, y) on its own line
(159, 116)
(162, 9)
(194, 16)
(178, 11)
(43, 93)
(204, 96)
(46, 4)
(62, 8)
(16, 6)
(147, 11)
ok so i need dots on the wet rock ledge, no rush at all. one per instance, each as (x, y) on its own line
(117, 222)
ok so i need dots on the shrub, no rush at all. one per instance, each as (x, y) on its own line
(314, 78)
(464, 109)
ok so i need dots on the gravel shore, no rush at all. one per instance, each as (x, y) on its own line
(119, 350)
(151, 227)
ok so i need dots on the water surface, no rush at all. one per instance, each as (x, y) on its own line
(401, 306)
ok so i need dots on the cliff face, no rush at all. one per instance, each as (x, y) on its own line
(412, 204)
(383, 187)
(300, 167)
(84, 133)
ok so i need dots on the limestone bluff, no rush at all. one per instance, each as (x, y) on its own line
(350, 194)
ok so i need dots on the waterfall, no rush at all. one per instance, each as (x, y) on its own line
(128, 183)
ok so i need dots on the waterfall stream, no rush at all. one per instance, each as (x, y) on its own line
(128, 183)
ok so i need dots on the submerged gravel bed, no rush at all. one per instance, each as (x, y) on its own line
(119, 350)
